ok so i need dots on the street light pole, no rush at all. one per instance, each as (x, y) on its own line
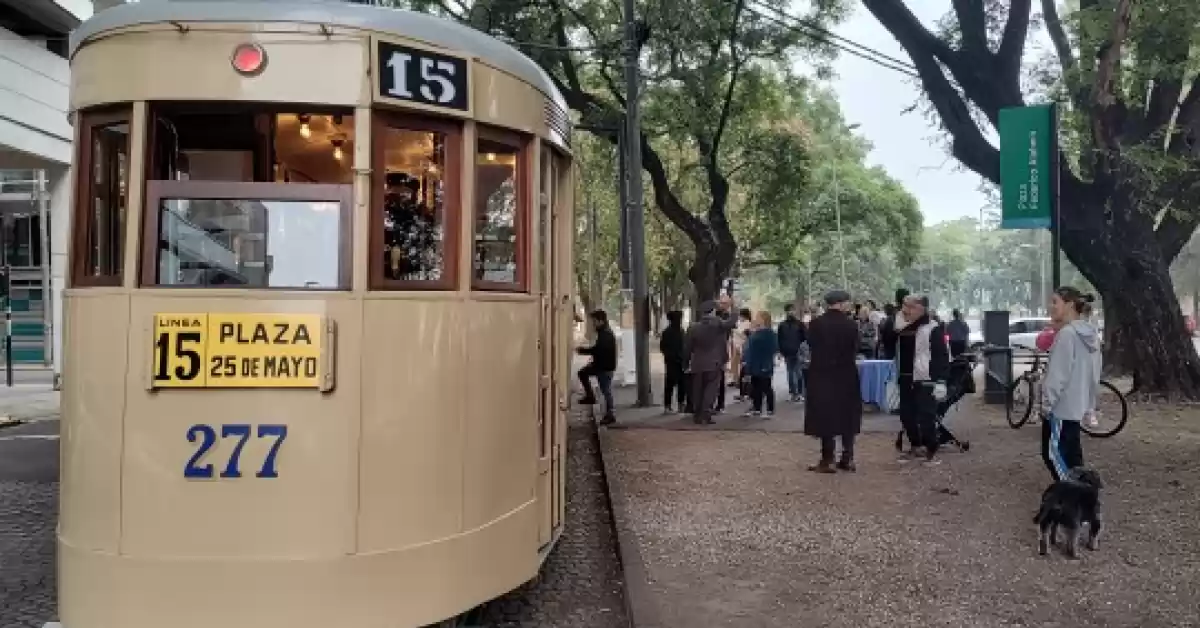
(837, 209)
(636, 216)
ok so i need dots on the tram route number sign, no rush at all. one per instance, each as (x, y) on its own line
(423, 77)
(238, 351)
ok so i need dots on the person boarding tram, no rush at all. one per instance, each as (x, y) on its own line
(602, 365)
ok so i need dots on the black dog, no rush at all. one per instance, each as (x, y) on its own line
(1069, 503)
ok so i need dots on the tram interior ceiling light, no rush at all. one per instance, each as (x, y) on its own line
(337, 142)
(305, 130)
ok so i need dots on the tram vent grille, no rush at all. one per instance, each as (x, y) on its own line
(557, 120)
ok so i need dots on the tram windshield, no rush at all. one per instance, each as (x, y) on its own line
(249, 199)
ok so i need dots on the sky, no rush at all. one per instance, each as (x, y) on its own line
(906, 145)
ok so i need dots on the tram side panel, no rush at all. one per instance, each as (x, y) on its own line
(195, 485)
(93, 406)
(502, 427)
(413, 427)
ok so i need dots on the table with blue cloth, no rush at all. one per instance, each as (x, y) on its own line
(873, 377)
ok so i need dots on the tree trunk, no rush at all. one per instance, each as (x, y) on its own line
(1145, 332)
(705, 274)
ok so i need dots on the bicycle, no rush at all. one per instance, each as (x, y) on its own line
(1025, 390)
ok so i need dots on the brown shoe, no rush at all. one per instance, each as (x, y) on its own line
(824, 466)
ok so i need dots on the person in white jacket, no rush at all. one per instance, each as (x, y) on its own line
(1072, 381)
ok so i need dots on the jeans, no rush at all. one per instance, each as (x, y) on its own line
(829, 445)
(760, 391)
(604, 379)
(795, 382)
(675, 382)
(918, 414)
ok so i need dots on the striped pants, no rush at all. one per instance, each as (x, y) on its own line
(1061, 449)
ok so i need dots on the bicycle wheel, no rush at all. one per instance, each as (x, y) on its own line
(1112, 411)
(1019, 404)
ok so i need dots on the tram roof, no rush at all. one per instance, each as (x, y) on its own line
(420, 26)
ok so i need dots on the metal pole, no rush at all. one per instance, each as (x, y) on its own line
(1056, 198)
(837, 209)
(47, 282)
(637, 237)
(593, 289)
(623, 192)
(8, 343)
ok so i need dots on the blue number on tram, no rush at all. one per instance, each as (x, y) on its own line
(207, 435)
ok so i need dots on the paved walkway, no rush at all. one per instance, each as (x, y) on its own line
(727, 528)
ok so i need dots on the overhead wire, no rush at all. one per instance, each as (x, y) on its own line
(814, 31)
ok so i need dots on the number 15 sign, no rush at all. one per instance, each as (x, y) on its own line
(422, 77)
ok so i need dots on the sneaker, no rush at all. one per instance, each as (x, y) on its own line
(847, 465)
(668, 410)
(910, 455)
(608, 420)
(768, 414)
(931, 462)
(751, 413)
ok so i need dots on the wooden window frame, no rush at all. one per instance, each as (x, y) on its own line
(451, 210)
(524, 176)
(82, 237)
(158, 190)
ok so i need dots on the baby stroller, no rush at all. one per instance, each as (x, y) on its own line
(960, 382)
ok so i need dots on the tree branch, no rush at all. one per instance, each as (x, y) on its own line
(1187, 122)
(1012, 42)
(968, 143)
(1105, 120)
(973, 24)
(1066, 56)
(735, 69)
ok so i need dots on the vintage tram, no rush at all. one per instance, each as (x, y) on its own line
(318, 320)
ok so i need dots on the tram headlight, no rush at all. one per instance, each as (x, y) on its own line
(249, 59)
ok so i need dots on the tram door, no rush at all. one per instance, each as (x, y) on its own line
(547, 463)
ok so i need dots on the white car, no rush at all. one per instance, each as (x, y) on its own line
(1022, 332)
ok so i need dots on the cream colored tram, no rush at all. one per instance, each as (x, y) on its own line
(318, 321)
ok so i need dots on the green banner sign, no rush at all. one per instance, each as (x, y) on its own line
(1026, 146)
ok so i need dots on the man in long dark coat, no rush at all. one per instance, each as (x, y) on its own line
(706, 350)
(834, 408)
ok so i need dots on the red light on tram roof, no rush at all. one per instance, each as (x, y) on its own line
(249, 59)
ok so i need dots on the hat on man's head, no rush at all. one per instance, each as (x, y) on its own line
(833, 297)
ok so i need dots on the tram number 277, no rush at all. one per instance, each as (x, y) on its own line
(207, 436)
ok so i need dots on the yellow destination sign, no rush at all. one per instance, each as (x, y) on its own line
(238, 351)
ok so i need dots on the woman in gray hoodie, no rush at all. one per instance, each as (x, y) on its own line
(1071, 383)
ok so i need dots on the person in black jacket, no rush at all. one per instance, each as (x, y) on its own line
(602, 366)
(923, 360)
(791, 337)
(887, 331)
(670, 343)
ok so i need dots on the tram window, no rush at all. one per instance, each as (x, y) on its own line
(500, 208)
(248, 197)
(103, 179)
(246, 235)
(220, 142)
(416, 161)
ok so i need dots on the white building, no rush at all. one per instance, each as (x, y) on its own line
(35, 160)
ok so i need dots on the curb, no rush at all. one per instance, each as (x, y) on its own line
(640, 606)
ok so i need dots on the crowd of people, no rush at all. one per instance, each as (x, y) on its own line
(821, 352)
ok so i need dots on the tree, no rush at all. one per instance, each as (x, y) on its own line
(710, 68)
(1128, 170)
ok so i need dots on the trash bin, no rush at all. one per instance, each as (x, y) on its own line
(998, 363)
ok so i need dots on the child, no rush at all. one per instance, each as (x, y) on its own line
(760, 351)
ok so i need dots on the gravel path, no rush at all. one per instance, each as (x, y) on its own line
(580, 585)
(735, 532)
